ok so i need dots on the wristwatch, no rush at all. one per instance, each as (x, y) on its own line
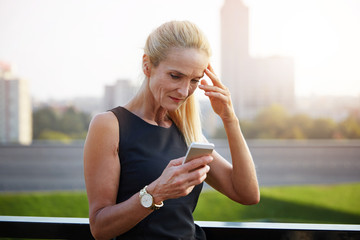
(147, 200)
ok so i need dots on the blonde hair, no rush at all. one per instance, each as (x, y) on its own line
(179, 34)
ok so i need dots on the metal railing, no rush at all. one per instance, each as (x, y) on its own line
(78, 228)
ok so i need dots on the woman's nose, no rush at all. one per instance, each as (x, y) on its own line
(184, 89)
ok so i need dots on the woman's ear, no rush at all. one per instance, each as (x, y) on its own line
(146, 65)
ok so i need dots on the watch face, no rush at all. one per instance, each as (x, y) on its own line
(146, 200)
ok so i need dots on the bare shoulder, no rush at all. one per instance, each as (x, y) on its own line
(105, 120)
(103, 129)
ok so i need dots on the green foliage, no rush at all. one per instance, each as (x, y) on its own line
(350, 127)
(322, 128)
(311, 204)
(275, 123)
(54, 135)
(49, 124)
(72, 121)
(271, 121)
(44, 119)
(299, 126)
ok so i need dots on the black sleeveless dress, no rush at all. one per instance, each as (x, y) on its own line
(144, 151)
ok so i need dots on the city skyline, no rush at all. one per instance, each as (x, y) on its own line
(68, 50)
(268, 80)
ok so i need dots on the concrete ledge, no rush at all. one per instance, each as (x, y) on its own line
(78, 228)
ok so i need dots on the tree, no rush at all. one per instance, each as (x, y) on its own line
(248, 129)
(294, 132)
(299, 126)
(350, 127)
(271, 122)
(275, 122)
(44, 119)
(73, 122)
(54, 135)
(323, 128)
(50, 124)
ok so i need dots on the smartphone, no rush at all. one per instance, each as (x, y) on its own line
(197, 150)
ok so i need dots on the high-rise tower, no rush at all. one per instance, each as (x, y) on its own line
(15, 108)
(254, 83)
(234, 46)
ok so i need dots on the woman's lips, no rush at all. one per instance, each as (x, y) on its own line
(176, 99)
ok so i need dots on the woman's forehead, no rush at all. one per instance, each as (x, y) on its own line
(187, 61)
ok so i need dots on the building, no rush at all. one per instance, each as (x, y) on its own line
(254, 83)
(15, 108)
(118, 94)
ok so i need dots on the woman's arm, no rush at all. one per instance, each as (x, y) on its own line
(102, 174)
(237, 181)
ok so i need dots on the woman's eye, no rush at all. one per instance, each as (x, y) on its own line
(174, 76)
(195, 81)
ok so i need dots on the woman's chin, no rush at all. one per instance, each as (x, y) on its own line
(173, 107)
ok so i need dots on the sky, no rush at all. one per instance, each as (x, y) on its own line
(67, 49)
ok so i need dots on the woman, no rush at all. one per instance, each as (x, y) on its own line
(136, 183)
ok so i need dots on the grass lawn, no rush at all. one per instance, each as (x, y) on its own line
(298, 204)
(44, 204)
(310, 204)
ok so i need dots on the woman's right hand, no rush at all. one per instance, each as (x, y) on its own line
(178, 180)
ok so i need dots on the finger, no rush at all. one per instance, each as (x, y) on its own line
(197, 163)
(211, 68)
(198, 181)
(217, 95)
(203, 82)
(176, 162)
(185, 191)
(214, 79)
(193, 178)
(209, 88)
(198, 176)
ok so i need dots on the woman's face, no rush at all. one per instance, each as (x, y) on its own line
(177, 77)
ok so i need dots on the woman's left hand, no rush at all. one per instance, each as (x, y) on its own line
(219, 95)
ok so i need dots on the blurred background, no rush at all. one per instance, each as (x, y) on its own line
(292, 68)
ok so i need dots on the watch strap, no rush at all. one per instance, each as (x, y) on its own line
(153, 206)
(156, 206)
